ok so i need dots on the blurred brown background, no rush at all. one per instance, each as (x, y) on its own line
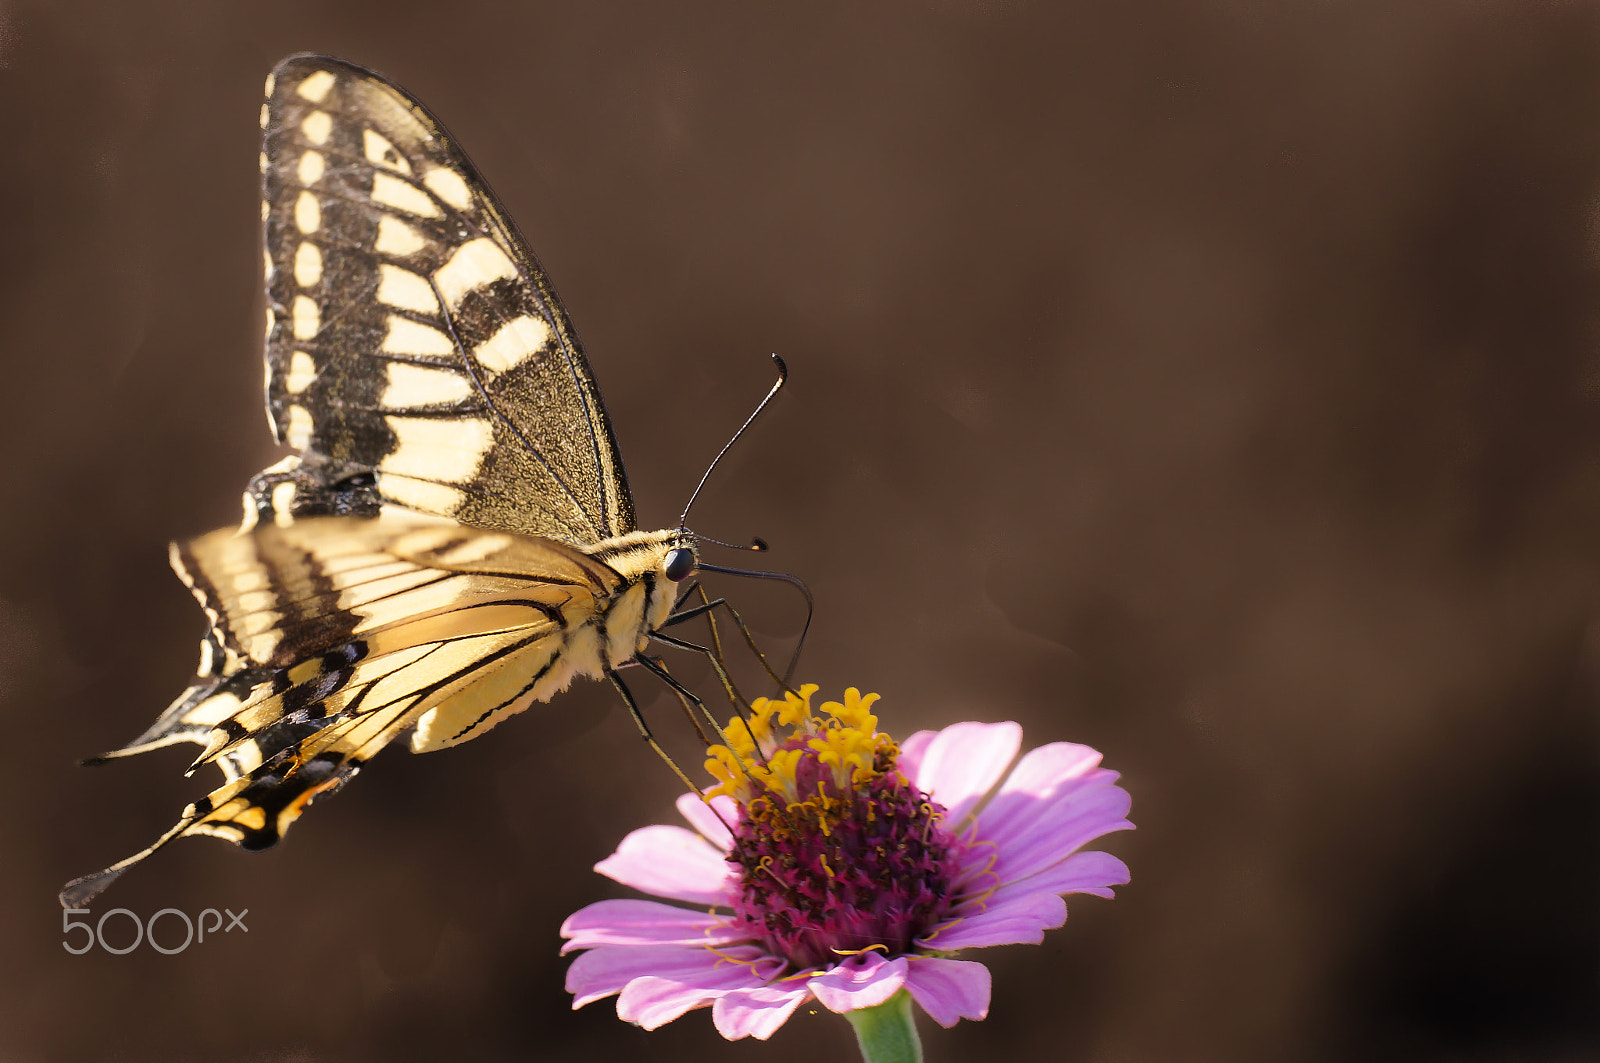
(1215, 383)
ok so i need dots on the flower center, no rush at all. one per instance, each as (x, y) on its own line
(838, 853)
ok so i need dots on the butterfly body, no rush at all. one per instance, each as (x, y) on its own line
(453, 539)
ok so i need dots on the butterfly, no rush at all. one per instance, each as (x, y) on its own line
(453, 539)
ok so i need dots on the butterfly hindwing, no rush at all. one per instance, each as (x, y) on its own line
(418, 625)
(411, 334)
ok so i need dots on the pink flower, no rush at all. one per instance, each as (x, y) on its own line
(852, 870)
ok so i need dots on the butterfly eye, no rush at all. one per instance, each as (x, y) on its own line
(680, 562)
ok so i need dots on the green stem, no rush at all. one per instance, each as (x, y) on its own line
(886, 1033)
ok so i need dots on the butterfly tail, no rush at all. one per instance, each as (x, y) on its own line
(85, 888)
(210, 697)
(253, 811)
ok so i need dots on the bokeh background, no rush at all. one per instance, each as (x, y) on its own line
(1216, 383)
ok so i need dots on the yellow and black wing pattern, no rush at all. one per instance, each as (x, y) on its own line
(330, 637)
(416, 354)
(417, 566)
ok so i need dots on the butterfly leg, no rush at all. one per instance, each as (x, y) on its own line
(693, 707)
(706, 609)
(680, 614)
(740, 704)
(654, 665)
(706, 606)
(713, 653)
(644, 728)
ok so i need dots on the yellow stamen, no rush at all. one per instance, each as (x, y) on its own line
(856, 952)
(758, 756)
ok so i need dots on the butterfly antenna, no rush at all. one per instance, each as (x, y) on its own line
(783, 375)
(756, 545)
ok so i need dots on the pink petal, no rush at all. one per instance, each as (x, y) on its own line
(704, 818)
(963, 762)
(1091, 872)
(1051, 765)
(757, 1012)
(1020, 919)
(603, 971)
(1030, 844)
(1056, 801)
(671, 862)
(1020, 913)
(949, 990)
(861, 981)
(632, 922)
(654, 999)
(1042, 775)
(912, 750)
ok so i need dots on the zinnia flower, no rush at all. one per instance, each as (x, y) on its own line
(831, 865)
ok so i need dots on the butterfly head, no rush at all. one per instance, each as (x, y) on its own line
(682, 560)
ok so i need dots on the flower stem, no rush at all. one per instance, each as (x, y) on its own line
(886, 1032)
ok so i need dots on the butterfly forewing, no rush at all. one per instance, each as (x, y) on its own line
(410, 331)
(279, 594)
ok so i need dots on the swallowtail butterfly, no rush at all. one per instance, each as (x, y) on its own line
(454, 539)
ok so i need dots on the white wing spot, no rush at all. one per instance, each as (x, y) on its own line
(216, 708)
(475, 264)
(266, 259)
(516, 342)
(311, 167)
(302, 371)
(261, 161)
(271, 320)
(415, 385)
(298, 435)
(307, 213)
(390, 191)
(407, 290)
(380, 152)
(448, 186)
(396, 238)
(250, 515)
(246, 759)
(420, 494)
(264, 114)
(410, 337)
(307, 264)
(306, 319)
(208, 659)
(442, 451)
(253, 579)
(272, 79)
(283, 494)
(317, 126)
(315, 87)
